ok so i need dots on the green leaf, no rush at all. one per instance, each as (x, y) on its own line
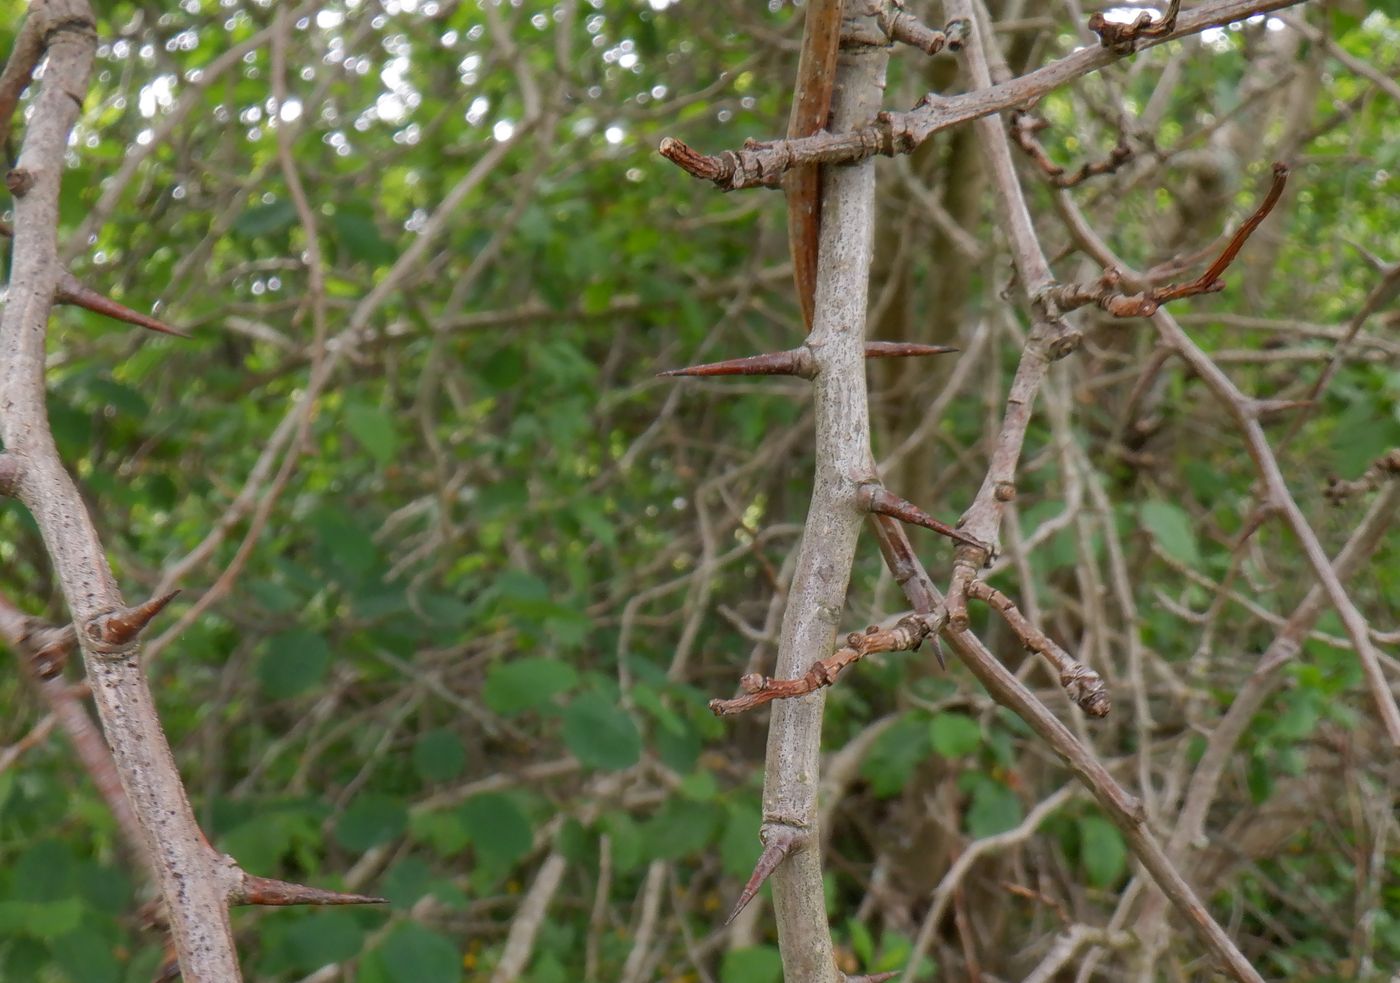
(759, 964)
(370, 821)
(739, 845)
(1171, 527)
(955, 734)
(413, 954)
(359, 238)
(601, 734)
(324, 937)
(681, 829)
(501, 833)
(86, 954)
(265, 220)
(524, 684)
(293, 662)
(439, 756)
(994, 809)
(895, 755)
(374, 429)
(1102, 851)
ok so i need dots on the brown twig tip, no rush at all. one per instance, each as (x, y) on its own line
(1086, 688)
(71, 291)
(121, 626)
(717, 169)
(1121, 38)
(1083, 685)
(874, 977)
(1105, 292)
(270, 892)
(776, 846)
(881, 500)
(1387, 466)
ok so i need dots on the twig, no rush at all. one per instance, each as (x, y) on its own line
(520, 941)
(904, 636)
(1083, 685)
(952, 880)
(761, 164)
(19, 70)
(1123, 38)
(637, 959)
(1385, 467)
(1024, 126)
(1246, 417)
(1106, 294)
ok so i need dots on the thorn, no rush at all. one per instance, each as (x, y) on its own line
(904, 349)
(775, 849)
(1265, 407)
(874, 977)
(71, 291)
(937, 651)
(799, 361)
(272, 892)
(169, 970)
(796, 361)
(885, 502)
(121, 626)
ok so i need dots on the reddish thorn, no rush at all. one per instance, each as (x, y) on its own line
(271, 892)
(122, 626)
(903, 349)
(773, 363)
(775, 849)
(885, 502)
(70, 291)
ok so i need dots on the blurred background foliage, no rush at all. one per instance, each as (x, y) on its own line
(504, 567)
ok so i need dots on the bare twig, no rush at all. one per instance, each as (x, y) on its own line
(520, 941)
(1385, 467)
(1123, 38)
(1023, 129)
(1246, 417)
(1106, 294)
(904, 636)
(1082, 684)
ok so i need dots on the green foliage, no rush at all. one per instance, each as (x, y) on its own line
(495, 572)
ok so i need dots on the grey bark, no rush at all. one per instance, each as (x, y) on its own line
(823, 569)
(193, 878)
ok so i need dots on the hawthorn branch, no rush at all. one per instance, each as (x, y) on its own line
(762, 164)
(1084, 686)
(196, 881)
(1245, 412)
(1106, 295)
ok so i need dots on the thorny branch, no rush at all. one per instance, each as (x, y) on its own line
(196, 882)
(761, 164)
(1105, 293)
(904, 636)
